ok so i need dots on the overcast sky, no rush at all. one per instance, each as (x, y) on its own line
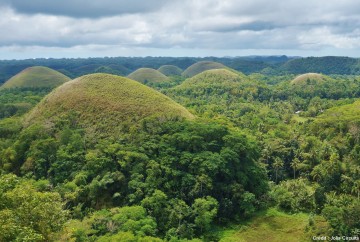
(90, 28)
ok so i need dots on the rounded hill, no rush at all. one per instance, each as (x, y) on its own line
(211, 86)
(170, 70)
(36, 77)
(147, 75)
(202, 66)
(212, 77)
(105, 104)
(309, 78)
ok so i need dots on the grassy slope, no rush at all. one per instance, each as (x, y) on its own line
(210, 83)
(200, 67)
(302, 79)
(212, 77)
(269, 226)
(145, 75)
(345, 113)
(37, 76)
(105, 102)
(170, 70)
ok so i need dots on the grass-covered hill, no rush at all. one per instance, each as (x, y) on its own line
(36, 77)
(115, 69)
(200, 67)
(104, 103)
(340, 116)
(211, 82)
(311, 85)
(214, 88)
(148, 75)
(221, 78)
(309, 78)
(170, 70)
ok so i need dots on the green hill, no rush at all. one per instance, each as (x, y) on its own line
(210, 82)
(202, 66)
(346, 114)
(36, 77)
(170, 70)
(105, 104)
(147, 75)
(309, 78)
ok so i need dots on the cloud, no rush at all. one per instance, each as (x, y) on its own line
(212, 25)
(84, 8)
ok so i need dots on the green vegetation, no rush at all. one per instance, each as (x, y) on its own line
(273, 226)
(200, 67)
(326, 65)
(29, 210)
(170, 70)
(105, 158)
(36, 77)
(148, 75)
(23, 91)
(105, 105)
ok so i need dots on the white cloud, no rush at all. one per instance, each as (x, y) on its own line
(218, 26)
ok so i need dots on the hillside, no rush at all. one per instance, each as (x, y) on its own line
(308, 78)
(218, 87)
(211, 82)
(222, 77)
(200, 67)
(105, 103)
(147, 75)
(170, 70)
(36, 77)
(273, 225)
(344, 114)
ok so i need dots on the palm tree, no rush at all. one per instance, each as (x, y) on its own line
(295, 165)
(356, 189)
(317, 173)
(277, 165)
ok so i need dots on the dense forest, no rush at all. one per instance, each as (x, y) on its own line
(169, 157)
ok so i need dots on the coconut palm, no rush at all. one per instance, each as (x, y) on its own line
(278, 164)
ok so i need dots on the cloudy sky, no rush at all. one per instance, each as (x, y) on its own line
(84, 28)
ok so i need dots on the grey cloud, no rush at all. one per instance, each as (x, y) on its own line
(252, 26)
(83, 8)
(190, 24)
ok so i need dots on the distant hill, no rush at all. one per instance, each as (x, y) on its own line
(36, 77)
(200, 67)
(272, 65)
(249, 66)
(170, 70)
(326, 65)
(115, 69)
(212, 77)
(105, 104)
(147, 75)
(211, 86)
(309, 78)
